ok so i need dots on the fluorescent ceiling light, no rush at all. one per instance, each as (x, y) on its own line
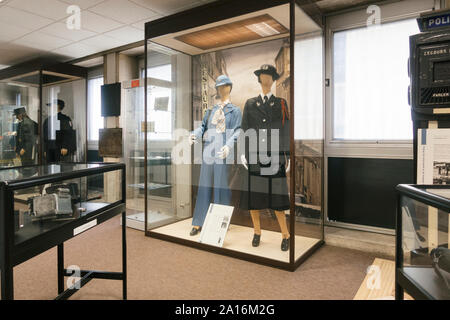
(263, 29)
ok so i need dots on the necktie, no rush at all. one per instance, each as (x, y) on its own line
(265, 99)
(219, 119)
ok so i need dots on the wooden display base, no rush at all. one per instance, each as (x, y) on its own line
(384, 289)
(239, 238)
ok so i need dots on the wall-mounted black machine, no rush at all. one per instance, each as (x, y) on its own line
(430, 67)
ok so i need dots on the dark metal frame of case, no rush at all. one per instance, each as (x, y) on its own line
(210, 13)
(12, 255)
(404, 282)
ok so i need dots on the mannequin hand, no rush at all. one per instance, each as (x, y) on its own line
(22, 152)
(288, 168)
(192, 139)
(64, 152)
(244, 162)
(224, 152)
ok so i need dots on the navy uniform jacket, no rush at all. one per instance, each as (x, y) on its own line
(65, 141)
(264, 118)
(264, 186)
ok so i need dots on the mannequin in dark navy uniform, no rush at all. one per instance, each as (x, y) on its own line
(59, 139)
(267, 183)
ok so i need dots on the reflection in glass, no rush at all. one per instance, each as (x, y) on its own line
(64, 122)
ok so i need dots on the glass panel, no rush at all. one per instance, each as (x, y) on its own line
(134, 135)
(425, 244)
(168, 187)
(370, 99)
(19, 107)
(227, 103)
(64, 122)
(42, 208)
(309, 120)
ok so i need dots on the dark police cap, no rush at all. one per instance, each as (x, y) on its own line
(20, 110)
(58, 102)
(268, 69)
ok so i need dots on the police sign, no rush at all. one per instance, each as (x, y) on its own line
(437, 22)
(434, 21)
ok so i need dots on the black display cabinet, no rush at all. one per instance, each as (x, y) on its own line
(44, 206)
(422, 266)
(184, 56)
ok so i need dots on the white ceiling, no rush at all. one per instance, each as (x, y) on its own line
(33, 28)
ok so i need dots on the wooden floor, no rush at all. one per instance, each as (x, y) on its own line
(379, 283)
(239, 238)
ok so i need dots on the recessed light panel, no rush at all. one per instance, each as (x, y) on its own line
(234, 33)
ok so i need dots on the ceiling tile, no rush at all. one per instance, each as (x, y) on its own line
(52, 9)
(4, 2)
(123, 10)
(42, 41)
(83, 4)
(102, 42)
(167, 7)
(13, 54)
(9, 32)
(141, 24)
(93, 22)
(127, 34)
(22, 19)
(76, 50)
(60, 30)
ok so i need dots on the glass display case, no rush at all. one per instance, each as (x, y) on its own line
(423, 237)
(158, 163)
(233, 130)
(43, 113)
(43, 206)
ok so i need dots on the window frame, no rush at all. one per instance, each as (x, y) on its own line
(387, 149)
(383, 149)
(92, 144)
(333, 140)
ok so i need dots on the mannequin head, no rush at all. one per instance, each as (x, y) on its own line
(20, 113)
(267, 75)
(266, 81)
(59, 105)
(224, 92)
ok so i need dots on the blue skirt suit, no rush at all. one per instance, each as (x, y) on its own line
(214, 172)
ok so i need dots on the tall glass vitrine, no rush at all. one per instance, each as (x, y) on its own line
(233, 130)
(43, 113)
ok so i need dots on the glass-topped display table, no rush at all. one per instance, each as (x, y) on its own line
(422, 251)
(44, 206)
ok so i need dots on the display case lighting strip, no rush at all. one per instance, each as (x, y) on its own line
(263, 29)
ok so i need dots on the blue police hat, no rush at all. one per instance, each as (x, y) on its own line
(223, 80)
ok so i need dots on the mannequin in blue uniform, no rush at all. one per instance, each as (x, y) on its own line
(220, 128)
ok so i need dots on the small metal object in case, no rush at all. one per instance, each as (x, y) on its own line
(53, 205)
